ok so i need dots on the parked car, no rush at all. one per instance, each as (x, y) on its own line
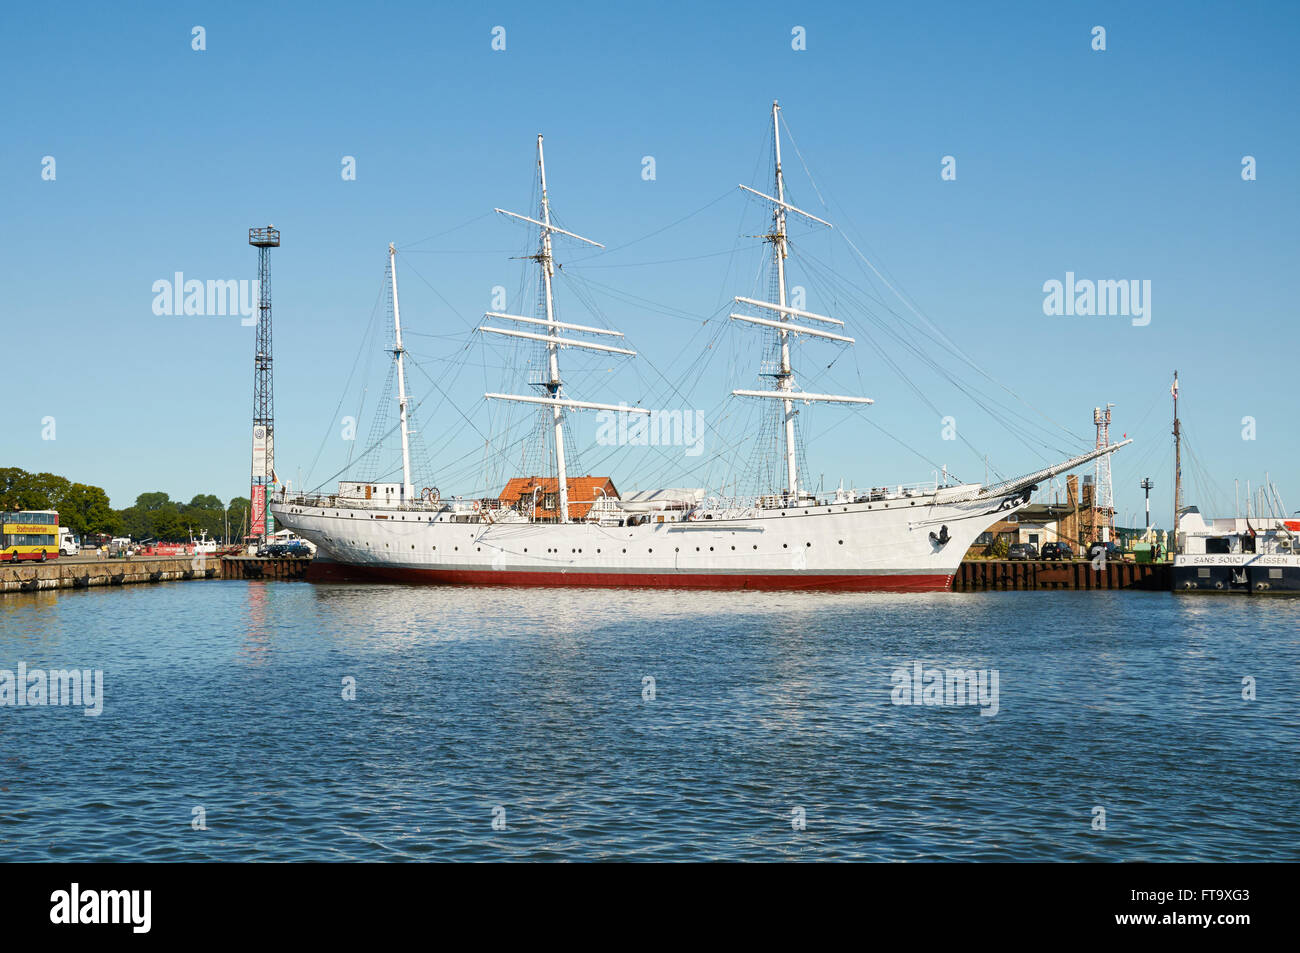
(1057, 551)
(1112, 550)
(295, 548)
(1022, 551)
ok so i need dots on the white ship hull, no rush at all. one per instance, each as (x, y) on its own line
(883, 545)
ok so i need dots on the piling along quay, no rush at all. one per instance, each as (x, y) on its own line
(976, 575)
(82, 574)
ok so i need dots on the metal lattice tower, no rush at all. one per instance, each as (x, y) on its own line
(1103, 492)
(263, 472)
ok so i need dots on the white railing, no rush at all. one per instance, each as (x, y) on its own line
(773, 501)
(334, 501)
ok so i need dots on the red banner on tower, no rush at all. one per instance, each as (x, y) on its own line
(257, 522)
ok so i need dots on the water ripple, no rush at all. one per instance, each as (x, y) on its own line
(771, 734)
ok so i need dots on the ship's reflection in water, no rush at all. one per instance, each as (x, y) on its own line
(650, 724)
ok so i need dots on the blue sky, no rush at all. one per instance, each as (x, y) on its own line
(1122, 164)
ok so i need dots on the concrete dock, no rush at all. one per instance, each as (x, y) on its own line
(82, 573)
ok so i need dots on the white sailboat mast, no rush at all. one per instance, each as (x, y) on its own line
(552, 348)
(784, 323)
(408, 490)
(786, 381)
(553, 340)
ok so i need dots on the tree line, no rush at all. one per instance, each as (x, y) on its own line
(86, 509)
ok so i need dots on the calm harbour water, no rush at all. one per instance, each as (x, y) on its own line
(228, 696)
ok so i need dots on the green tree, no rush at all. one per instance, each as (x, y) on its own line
(152, 501)
(168, 524)
(30, 491)
(238, 516)
(86, 509)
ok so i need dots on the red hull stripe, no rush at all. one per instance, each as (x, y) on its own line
(883, 582)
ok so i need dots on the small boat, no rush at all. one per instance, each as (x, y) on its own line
(1257, 555)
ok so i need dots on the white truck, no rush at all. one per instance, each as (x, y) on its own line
(69, 542)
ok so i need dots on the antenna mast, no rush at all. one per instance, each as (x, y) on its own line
(1178, 466)
(408, 490)
(1103, 493)
(1146, 485)
(261, 522)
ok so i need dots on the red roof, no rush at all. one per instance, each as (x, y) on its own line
(583, 491)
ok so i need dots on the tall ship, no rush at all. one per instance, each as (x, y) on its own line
(569, 530)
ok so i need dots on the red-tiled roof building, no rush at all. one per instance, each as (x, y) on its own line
(583, 492)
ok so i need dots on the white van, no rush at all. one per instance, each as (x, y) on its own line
(69, 544)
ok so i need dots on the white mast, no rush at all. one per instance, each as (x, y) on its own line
(785, 390)
(408, 490)
(553, 339)
(785, 382)
(552, 348)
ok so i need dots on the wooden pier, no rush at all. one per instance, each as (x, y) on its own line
(286, 569)
(978, 575)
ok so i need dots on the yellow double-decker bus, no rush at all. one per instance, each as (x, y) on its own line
(29, 534)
